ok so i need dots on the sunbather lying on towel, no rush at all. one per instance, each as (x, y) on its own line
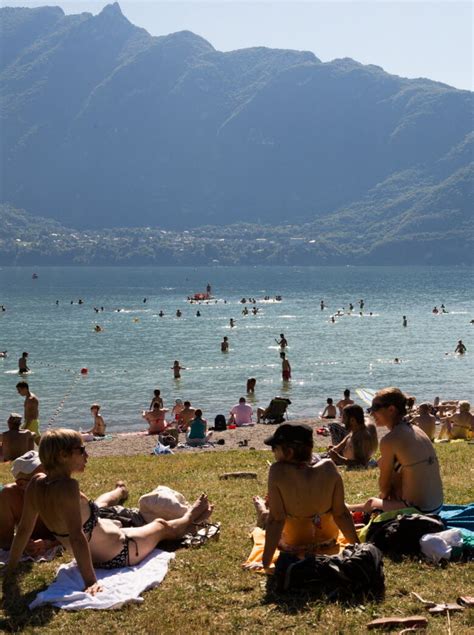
(74, 519)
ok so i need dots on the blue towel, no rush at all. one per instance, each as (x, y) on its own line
(459, 516)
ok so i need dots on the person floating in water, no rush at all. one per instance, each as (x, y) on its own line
(460, 348)
(198, 313)
(225, 344)
(283, 342)
(98, 328)
(161, 314)
(178, 313)
(405, 321)
(23, 364)
(285, 368)
(176, 368)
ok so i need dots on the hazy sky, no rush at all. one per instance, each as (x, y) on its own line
(412, 38)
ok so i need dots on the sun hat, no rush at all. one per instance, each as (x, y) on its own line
(288, 433)
(26, 463)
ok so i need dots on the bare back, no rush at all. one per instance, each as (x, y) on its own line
(17, 442)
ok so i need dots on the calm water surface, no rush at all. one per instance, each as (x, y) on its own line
(135, 352)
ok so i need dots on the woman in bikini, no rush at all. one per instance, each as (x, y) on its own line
(74, 520)
(409, 468)
(305, 509)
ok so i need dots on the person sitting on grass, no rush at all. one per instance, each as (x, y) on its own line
(305, 507)
(197, 434)
(409, 468)
(98, 429)
(425, 420)
(156, 419)
(15, 442)
(74, 519)
(459, 425)
(357, 448)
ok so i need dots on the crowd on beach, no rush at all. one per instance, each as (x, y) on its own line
(304, 510)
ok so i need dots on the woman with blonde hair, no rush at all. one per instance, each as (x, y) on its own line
(74, 519)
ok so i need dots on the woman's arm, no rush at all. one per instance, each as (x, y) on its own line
(276, 517)
(386, 462)
(342, 516)
(25, 528)
(70, 504)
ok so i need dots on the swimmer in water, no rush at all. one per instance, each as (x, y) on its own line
(198, 313)
(460, 348)
(178, 313)
(176, 368)
(3, 354)
(285, 368)
(225, 345)
(251, 383)
(232, 322)
(405, 322)
(396, 360)
(322, 305)
(97, 328)
(23, 364)
(161, 314)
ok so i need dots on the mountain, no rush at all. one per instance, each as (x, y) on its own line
(104, 125)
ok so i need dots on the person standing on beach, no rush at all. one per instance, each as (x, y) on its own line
(23, 364)
(31, 407)
(285, 368)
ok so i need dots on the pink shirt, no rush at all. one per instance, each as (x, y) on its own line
(242, 414)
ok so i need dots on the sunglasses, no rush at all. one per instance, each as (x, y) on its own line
(81, 448)
(378, 406)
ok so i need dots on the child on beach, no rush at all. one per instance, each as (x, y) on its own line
(177, 409)
(98, 429)
(329, 411)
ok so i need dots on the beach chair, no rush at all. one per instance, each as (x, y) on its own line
(276, 411)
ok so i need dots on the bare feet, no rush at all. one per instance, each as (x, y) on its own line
(121, 485)
(200, 510)
(261, 510)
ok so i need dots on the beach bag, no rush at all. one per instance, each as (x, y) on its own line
(163, 502)
(357, 571)
(220, 423)
(401, 535)
(126, 516)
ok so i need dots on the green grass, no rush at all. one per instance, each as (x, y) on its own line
(206, 590)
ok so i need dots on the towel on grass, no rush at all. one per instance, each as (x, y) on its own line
(119, 585)
(47, 556)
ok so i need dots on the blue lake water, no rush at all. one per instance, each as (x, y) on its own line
(135, 352)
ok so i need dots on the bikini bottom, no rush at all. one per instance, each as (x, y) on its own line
(122, 559)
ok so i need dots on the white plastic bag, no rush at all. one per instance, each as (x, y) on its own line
(436, 547)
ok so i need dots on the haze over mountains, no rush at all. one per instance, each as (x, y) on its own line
(105, 126)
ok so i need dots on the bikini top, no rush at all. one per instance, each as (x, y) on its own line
(397, 466)
(89, 525)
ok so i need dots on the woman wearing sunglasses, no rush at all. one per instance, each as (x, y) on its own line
(74, 519)
(409, 468)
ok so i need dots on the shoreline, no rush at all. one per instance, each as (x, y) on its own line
(133, 444)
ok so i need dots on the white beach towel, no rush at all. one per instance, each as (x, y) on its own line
(119, 585)
(47, 556)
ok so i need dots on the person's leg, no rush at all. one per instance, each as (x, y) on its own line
(148, 536)
(261, 510)
(260, 413)
(115, 497)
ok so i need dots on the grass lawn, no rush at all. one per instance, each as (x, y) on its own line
(206, 591)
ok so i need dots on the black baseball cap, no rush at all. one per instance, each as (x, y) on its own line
(288, 433)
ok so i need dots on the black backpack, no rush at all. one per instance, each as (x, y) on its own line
(357, 571)
(401, 535)
(220, 423)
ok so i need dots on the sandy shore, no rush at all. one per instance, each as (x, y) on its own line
(132, 444)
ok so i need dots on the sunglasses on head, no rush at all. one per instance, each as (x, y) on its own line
(81, 448)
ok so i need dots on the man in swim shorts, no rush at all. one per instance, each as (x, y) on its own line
(23, 364)
(356, 449)
(31, 410)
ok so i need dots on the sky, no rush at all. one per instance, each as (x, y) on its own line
(411, 38)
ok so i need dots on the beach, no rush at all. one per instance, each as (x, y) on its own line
(142, 444)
